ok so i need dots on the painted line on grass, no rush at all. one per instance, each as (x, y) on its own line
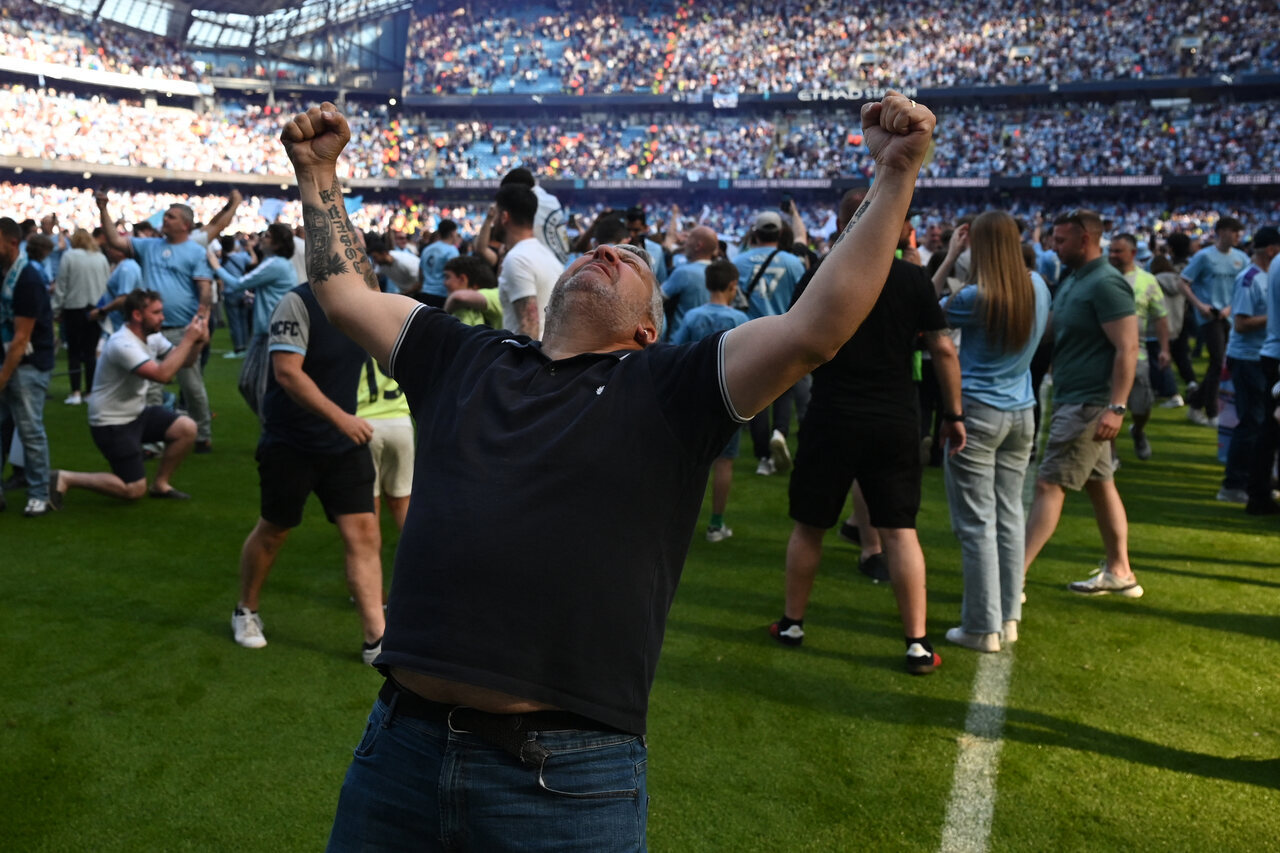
(973, 789)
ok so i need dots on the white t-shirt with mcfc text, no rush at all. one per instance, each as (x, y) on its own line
(119, 394)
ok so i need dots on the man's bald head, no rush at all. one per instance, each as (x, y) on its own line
(701, 244)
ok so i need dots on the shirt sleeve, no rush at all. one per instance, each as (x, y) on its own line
(290, 326)
(960, 307)
(931, 318)
(26, 294)
(1246, 299)
(428, 343)
(1113, 299)
(690, 385)
(516, 279)
(1191, 270)
(158, 344)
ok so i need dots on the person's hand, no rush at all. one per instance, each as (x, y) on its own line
(357, 429)
(1108, 426)
(93, 315)
(100, 198)
(1204, 309)
(314, 139)
(1162, 361)
(959, 241)
(198, 329)
(897, 131)
(212, 255)
(235, 200)
(954, 436)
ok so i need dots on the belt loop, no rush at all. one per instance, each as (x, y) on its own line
(391, 708)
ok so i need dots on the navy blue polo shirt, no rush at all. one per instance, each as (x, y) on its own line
(553, 505)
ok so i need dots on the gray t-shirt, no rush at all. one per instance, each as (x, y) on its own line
(119, 393)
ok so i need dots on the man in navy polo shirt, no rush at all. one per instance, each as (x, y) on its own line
(557, 487)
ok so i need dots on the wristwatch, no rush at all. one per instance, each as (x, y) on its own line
(1116, 408)
(953, 418)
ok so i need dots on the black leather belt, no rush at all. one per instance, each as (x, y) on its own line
(508, 732)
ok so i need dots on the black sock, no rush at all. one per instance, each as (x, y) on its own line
(784, 623)
(923, 641)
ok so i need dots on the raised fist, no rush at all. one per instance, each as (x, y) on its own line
(897, 132)
(100, 198)
(314, 139)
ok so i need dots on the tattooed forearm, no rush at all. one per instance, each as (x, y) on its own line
(853, 220)
(332, 246)
(526, 310)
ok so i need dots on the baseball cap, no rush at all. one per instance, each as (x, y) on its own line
(1144, 253)
(768, 221)
(1266, 236)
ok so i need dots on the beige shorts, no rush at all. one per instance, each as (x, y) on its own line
(1072, 457)
(392, 449)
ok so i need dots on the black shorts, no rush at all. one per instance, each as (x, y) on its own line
(122, 444)
(286, 476)
(833, 451)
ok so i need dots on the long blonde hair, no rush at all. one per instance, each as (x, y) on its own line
(82, 239)
(1006, 299)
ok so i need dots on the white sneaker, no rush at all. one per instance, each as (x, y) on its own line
(1197, 417)
(1174, 402)
(977, 642)
(1009, 631)
(765, 467)
(718, 534)
(1233, 496)
(74, 400)
(779, 453)
(247, 628)
(36, 508)
(1102, 582)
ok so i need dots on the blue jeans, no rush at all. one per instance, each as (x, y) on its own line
(239, 319)
(23, 401)
(1252, 393)
(984, 492)
(415, 785)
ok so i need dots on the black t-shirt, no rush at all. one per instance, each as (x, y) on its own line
(871, 375)
(31, 299)
(553, 505)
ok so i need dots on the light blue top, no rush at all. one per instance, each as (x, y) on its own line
(432, 262)
(1213, 276)
(1047, 264)
(1271, 346)
(773, 293)
(659, 259)
(1249, 300)
(707, 320)
(687, 285)
(171, 269)
(988, 374)
(126, 277)
(269, 281)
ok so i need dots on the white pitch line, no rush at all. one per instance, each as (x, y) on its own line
(973, 789)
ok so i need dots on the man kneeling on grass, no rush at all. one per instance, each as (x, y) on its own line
(120, 419)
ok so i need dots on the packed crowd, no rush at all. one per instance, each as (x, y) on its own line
(33, 31)
(1076, 139)
(733, 46)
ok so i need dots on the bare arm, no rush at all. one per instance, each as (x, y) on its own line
(461, 300)
(797, 226)
(303, 390)
(204, 293)
(481, 245)
(946, 366)
(341, 274)
(670, 240)
(23, 327)
(765, 357)
(183, 355)
(1162, 337)
(1185, 286)
(223, 217)
(110, 235)
(526, 310)
(1123, 334)
(959, 241)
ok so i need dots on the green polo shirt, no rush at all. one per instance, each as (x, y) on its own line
(1082, 354)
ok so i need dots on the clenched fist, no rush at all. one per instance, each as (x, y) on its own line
(314, 139)
(897, 131)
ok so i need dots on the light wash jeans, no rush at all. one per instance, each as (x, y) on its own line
(416, 785)
(194, 396)
(23, 401)
(984, 491)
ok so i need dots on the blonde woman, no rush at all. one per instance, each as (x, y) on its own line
(1002, 315)
(82, 279)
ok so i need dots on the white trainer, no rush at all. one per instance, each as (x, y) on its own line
(765, 468)
(977, 642)
(718, 534)
(1102, 582)
(779, 453)
(247, 628)
(1009, 631)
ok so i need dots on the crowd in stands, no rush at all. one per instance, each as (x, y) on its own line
(40, 33)
(1076, 139)
(732, 46)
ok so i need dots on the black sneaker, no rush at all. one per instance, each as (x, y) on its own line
(792, 636)
(921, 661)
(17, 481)
(875, 568)
(1262, 508)
(850, 533)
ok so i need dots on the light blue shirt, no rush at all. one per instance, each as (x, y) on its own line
(1249, 300)
(687, 285)
(989, 374)
(1213, 276)
(269, 281)
(659, 259)
(432, 262)
(171, 269)
(1271, 346)
(1047, 264)
(126, 277)
(707, 320)
(776, 287)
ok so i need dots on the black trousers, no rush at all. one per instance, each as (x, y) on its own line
(1268, 443)
(82, 344)
(1214, 335)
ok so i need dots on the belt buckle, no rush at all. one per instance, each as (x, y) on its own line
(449, 722)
